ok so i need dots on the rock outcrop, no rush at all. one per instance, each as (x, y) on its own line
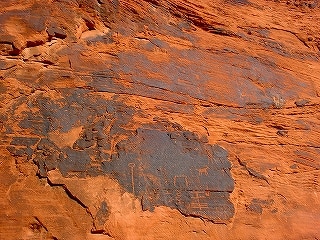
(159, 119)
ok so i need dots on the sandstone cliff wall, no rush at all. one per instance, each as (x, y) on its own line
(159, 119)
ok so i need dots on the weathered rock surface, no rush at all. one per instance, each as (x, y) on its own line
(159, 119)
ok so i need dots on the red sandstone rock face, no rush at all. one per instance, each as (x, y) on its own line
(159, 119)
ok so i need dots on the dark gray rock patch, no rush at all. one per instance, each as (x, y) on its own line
(160, 162)
(177, 170)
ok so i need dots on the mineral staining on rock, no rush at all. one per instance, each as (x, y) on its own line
(175, 169)
(162, 166)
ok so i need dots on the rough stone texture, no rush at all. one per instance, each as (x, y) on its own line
(159, 119)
